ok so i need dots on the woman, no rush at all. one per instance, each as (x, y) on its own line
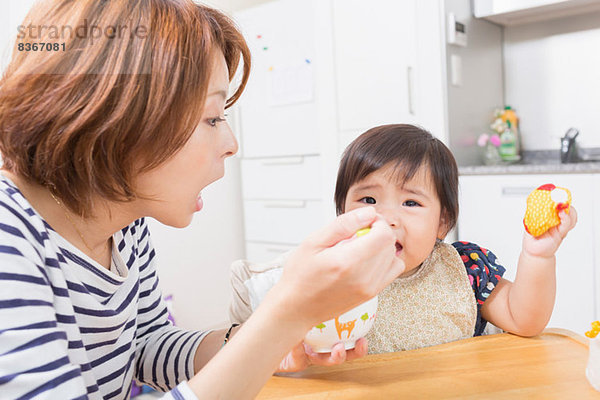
(127, 122)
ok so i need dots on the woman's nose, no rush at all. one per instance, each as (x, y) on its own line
(231, 146)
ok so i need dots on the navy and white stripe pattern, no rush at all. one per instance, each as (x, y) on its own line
(71, 329)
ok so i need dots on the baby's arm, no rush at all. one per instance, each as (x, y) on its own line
(524, 306)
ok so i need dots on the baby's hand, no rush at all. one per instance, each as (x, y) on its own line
(546, 245)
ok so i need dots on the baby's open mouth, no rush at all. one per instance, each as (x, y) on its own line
(398, 248)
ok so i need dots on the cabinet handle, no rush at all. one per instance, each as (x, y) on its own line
(517, 190)
(286, 204)
(284, 161)
(277, 249)
(409, 76)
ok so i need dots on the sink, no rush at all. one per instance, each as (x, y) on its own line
(587, 155)
(588, 158)
(552, 157)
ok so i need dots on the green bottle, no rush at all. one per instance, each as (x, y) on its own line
(508, 144)
(509, 116)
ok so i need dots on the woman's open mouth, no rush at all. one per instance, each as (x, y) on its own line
(398, 249)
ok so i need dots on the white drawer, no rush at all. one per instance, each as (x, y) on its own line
(296, 177)
(282, 221)
(259, 252)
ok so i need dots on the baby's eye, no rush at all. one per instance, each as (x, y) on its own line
(411, 203)
(368, 200)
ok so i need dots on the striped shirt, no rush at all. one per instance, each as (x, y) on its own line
(71, 329)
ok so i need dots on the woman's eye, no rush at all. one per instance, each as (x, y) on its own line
(411, 203)
(368, 200)
(215, 121)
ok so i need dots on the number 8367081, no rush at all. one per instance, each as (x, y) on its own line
(41, 47)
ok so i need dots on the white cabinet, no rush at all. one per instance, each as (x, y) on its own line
(278, 107)
(323, 71)
(510, 12)
(281, 221)
(491, 214)
(265, 252)
(596, 239)
(375, 62)
(285, 115)
(281, 178)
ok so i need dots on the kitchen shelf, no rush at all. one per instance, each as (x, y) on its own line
(512, 12)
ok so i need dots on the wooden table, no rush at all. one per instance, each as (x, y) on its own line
(503, 366)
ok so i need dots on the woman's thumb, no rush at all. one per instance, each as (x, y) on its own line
(344, 226)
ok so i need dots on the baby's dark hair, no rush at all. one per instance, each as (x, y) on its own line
(408, 147)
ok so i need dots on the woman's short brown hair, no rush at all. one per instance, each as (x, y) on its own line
(125, 94)
(407, 148)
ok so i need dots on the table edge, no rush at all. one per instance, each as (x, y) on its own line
(567, 333)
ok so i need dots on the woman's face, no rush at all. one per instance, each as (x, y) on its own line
(175, 186)
(413, 211)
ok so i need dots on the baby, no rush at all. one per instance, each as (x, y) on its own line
(447, 292)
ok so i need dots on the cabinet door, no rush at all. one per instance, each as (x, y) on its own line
(278, 108)
(491, 215)
(596, 238)
(290, 178)
(375, 53)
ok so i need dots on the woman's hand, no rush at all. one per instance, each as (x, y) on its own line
(328, 275)
(321, 279)
(547, 244)
(301, 356)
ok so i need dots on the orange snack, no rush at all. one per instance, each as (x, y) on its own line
(542, 211)
(594, 331)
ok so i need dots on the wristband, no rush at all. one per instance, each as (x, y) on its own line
(228, 334)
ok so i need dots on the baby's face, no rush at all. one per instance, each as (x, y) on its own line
(412, 211)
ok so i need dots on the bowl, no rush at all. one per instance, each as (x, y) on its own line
(346, 328)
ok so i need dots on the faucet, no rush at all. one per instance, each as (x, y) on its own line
(568, 147)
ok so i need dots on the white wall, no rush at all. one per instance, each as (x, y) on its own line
(552, 74)
(12, 13)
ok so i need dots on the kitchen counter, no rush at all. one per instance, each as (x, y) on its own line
(534, 162)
